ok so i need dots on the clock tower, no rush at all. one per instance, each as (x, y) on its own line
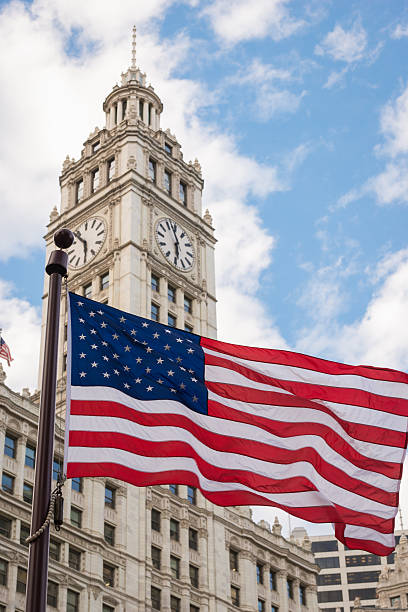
(142, 243)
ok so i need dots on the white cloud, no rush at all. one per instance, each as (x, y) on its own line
(394, 125)
(344, 45)
(237, 20)
(400, 31)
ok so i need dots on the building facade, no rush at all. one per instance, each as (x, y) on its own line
(142, 244)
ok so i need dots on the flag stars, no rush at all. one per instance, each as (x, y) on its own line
(103, 324)
(115, 336)
(116, 372)
(127, 348)
(82, 374)
(167, 347)
(93, 331)
(80, 303)
(133, 332)
(104, 343)
(179, 340)
(144, 324)
(170, 373)
(190, 371)
(195, 398)
(126, 368)
(126, 385)
(190, 350)
(148, 349)
(105, 358)
(100, 312)
(82, 337)
(167, 331)
(160, 381)
(160, 360)
(156, 335)
(122, 319)
(138, 380)
(82, 355)
(138, 360)
(106, 375)
(82, 320)
(182, 386)
(94, 346)
(149, 388)
(115, 356)
(92, 314)
(148, 370)
(94, 364)
(179, 359)
(173, 390)
(194, 379)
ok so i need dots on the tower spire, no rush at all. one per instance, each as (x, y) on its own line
(133, 64)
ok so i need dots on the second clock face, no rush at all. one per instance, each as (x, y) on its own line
(175, 244)
(89, 238)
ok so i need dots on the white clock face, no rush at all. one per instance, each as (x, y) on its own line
(89, 238)
(175, 244)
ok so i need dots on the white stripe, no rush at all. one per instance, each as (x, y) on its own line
(365, 533)
(291, 414)
(239, 430)
(313, 377)
(347, 412)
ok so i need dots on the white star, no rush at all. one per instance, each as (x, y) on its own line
(156, 335)
(144, 343)
(167, 331)
(126, 386)
(80, 303)
(179, 360)
(160, 360)
(190, 371)
(144, 324)
(122, 319)
(170, 373)
(160, 381)
(148, 370)
(94, 346)
(138, 380)
(94, 364)
(181, 368)
(148, 350)
(106, 375)
(82, 320)
(93, 331)
(182, 386)
(82, 355)
(194, 379)
(105, 358)
(149, 388)
(179, 340)
(104, 343)
(115, 356)
(115, 336)
(126, 368)
(82, 374)
(100, 312)
(116, 372)
(127, 348)
(190, 350)
(195, 398)
(167, 347)
(138, 360)
(82, 337)
(133, 332)
(173, 390)
(103, 324)
(92, 314)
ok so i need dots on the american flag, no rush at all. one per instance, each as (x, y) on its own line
(152, 404)
(5, 351)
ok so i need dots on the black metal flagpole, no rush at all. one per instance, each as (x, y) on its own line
(37, 579)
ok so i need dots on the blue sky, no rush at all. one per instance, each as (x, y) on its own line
(298, 113)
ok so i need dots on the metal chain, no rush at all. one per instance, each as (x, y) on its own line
(47, 521)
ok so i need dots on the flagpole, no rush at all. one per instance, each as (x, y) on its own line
(37, 579)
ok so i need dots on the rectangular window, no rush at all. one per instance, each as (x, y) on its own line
(156, 516)
(154, 283)
(183, 193)
(30, 456)
(354, 577)
(188, 304)
(115, 108)
(3, 572)
(87, 290)
(141, 109)
(289, 587)
(188, 328)
(24, 533)
(72, 601)
(259, 573)
(109, 534)
(5, 526)
(194, 608)
(27, 493)
(167, 181)
(327, 562)
(152, 170)
(174, 530)
(76, 484)
(56, 468)
(52, 594)
(363, 593)
(174, 489)
(235, 595)
(324, 546)
(154, 312)
(174, 604)
(10, 446)
(274, 608)
(111, 169)
(106, 608)
(171, 320)
(261, 605)
(272, 580)
(193, 538)
(233, 560)
(156, 557)
(76, 517)
(168, 148)
(302, 595)
(104, 281)
(108, 575)
(192, 495)
(171, 294)
(156, 598)
(352, 560)
(74, 559)
(79, 191)
(109, 496)
(124, 107)
(175, 567)
(96, 146)
(326, 579)
(194, 576)
(21, 580)
(329, 596)
(7, 483)
(55, 550)
(395, 601)
(94, 179)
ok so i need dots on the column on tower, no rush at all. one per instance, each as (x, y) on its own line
(112, 117)
(282, 579)
(20, 455)
(119, 111)
(153, 118)
(146, 112)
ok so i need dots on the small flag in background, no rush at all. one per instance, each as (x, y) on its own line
(152, 404)
(5, 351)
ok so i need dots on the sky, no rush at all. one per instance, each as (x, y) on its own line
(298, 114)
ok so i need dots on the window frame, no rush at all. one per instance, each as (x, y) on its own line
(235, 595)
(108, 574)
(174, 530)
(104, 281)
(156, 557)
(12, 478)
(21, 582)
(28, 492)
(111, 169)
(195, 580)
(95, 179)
(74, 558)
(109, 538)
(12, 448)
(29, 460)
(193, 540)
(192, 495)
(152, 170)
(51, 596)
(155, 520)
(4, 566)
(183, 193)
(167, 180)
(154, 312)
(79, 190)
(175, 567)
(156, 599)
(7, 530)
(76, 523)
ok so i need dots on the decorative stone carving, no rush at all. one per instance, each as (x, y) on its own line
(54, 215)
(207, 217)
(277, 527)
(3, 375)
(131, 163)
(197, 166)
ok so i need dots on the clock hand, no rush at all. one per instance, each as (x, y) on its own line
(78, 235)
(176, 243)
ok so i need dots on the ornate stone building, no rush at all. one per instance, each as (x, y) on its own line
(130, 199)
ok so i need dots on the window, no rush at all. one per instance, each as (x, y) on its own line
(52, 594)
(3, 572)
(171, 294)
(109, 533)
(323, 579)
(272, 580)
(183, 193)
(174, 530)
(327, 596)
(72, 601)
(171, 320)
(327, 562)
(55, 550)
(395, 601)
(96, 146)
(111, 169)
(27, 493)
(104, 281)
(167, 181)
(109, 496)
(94, 179)
(152, 170)
(5, 526)
(149, 121)
(233, 560)
(353, 577)
(156, 598)
(106, 608)
(115, 108)
(141, 108)
(174, 604)
(193, 538)
(175, 566)
(259, 573)
(10, 446)
(154, 312)
(302, 595)
(56, 468)
(362, 593)
(156, 557)
(188, 304)
(192, 495)
(124, 107)
(21, 580)
(289, 586)
(156, 519)
(108, 575)
(324, 546)
(168, 148)
(192, 608)
(276, 609)
(76, 517)
(30, 456)
(261, 605)
(76, 484)
(79, 191)
(194, 573)
(174, 489)
(188, 328)
(235, 595)
(74, 559)
(353, 560)
(7, 483)
(88, 290)
(154, 283)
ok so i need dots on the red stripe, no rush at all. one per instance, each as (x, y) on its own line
(315, 514)
(357, 544)
(356, 397)
(307, 362)
(228, 444)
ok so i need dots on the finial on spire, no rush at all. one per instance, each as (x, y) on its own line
(400, 517)
(133, 65)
